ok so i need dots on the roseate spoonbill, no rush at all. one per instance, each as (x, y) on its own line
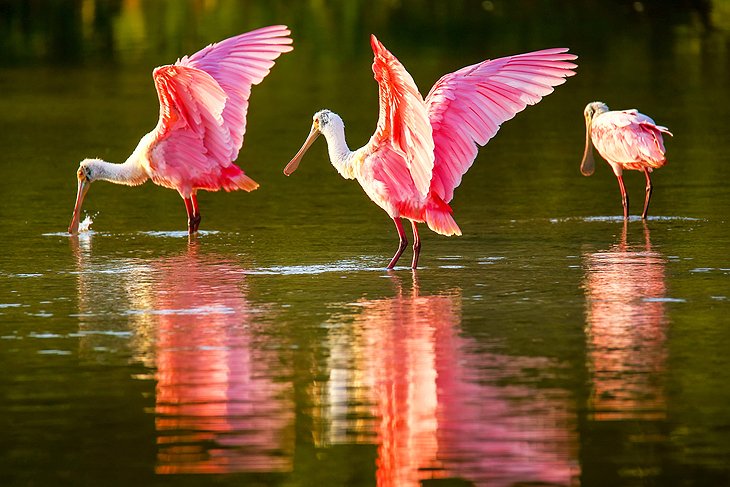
(421, 148)
(626, 139)
(203, 105)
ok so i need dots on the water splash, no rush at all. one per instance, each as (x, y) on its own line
(84, 229)
(85, 225)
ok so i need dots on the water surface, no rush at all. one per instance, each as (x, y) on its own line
(552, 344)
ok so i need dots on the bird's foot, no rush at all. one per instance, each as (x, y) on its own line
(193, 224)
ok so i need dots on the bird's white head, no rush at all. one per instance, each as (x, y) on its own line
(86, 174)
(327, 121)
(324, 122)
(89, 169)
(592, 110)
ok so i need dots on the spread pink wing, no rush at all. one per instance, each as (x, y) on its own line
(403, 135)
(203, 106)
(467, 107)
(629, 137)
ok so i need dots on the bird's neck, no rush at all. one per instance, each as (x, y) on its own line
(130, 173)
(340, 154)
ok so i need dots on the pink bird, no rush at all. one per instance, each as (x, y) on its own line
(203, 105)
(626, 139)
(422, 148)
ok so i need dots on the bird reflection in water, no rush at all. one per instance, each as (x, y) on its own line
(625, 290)
(218, 406)
(439, 406)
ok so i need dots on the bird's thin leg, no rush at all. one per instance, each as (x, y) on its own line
(189, 209)
(624, 197)
(403, 242)
(416, 245)
(196, 212)
(648, 193)
(193, 219)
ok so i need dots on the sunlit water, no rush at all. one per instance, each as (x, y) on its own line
(552, 344)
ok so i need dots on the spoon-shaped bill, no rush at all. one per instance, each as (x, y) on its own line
(84, 185)
(588, 164)
(294, 163)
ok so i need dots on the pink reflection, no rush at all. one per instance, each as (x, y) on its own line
(625, 290)
(218, 406)
(218, 409)
(440, 407)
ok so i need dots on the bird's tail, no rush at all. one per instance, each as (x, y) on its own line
(439, 217)
(245, 183)
(654, 155)
(236, 179)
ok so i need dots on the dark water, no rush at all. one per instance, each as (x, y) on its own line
(552, 344)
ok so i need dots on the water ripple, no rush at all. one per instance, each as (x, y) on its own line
(339, 266)
(619, 218)
(200, 310)
(178, 233)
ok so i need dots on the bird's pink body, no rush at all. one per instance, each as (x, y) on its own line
(203, 105)
(628, 139)
(422, 147)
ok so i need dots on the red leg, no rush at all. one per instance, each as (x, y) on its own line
(190, 208)
(648, 193)
(624, 197)
(403, 242)
(196, 211)
(416, 245)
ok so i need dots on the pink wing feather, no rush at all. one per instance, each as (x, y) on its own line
(203, 106)
(468, 106)
(629, 138)
(403, 125)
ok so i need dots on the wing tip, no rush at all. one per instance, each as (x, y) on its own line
(374, 43)
(279, 32)
(378, 47)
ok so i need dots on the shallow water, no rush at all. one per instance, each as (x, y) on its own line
(553, 343)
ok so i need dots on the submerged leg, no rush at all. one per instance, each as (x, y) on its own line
(193, 219)
(416, 245)
(196, 211)
(403, 242)
(648, 193)
(624, 197)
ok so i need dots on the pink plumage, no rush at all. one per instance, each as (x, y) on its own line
(403, 125)
(626, 139)
(467, 107)
(422, 148)
(437, 137)
(203, 106)
(629, 139)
